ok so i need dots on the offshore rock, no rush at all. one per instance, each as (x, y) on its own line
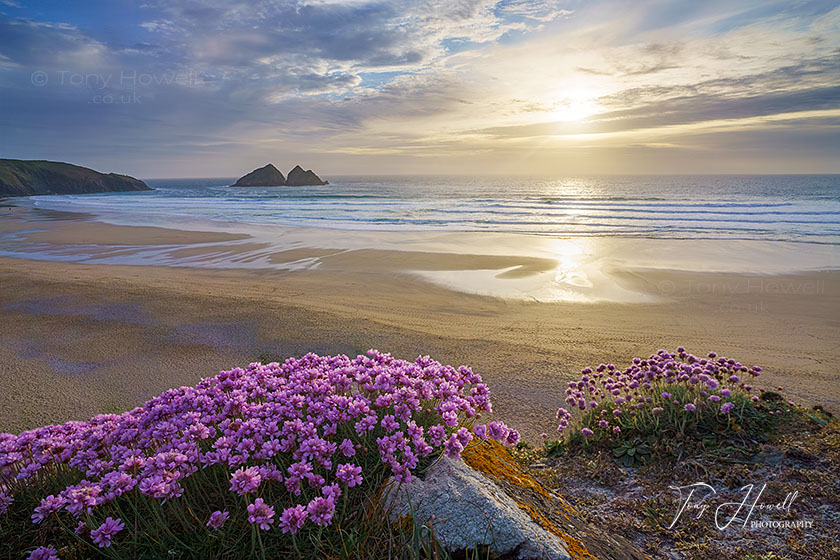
(268, 176)
(298, 177)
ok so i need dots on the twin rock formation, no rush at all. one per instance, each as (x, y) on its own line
(270, 176)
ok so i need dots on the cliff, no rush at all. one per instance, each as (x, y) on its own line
(30, 177)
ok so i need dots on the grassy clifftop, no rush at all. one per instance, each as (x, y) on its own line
(26, 178)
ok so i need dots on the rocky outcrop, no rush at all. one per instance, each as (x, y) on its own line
(268, 176)
(31, 177)
(466, 510)
(298, 178)
(487, 500)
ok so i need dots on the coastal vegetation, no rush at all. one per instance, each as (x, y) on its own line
(264, 461)
(634, 442)
(665, 398)
(291, 459)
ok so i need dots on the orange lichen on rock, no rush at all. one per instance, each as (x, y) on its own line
(492, 458)
(574, 547)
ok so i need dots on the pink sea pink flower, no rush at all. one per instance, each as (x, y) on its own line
(321, 511)
(103, 534)
(453, 447)
(437, 435)
(497, 430)
(292, 519)
(245, 480)
(43, 553)
(261, 514)
(81, 529)
(217, 519)
(347, 448)
(5, 502)
(331, 491)
(512, 438)
(349, 474)
(50, 504)
(464, 436)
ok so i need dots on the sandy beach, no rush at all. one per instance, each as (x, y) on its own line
(79, 338)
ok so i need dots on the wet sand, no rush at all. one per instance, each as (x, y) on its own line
(77, 339)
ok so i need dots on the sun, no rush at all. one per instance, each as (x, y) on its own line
(571, 110)
(573, 105)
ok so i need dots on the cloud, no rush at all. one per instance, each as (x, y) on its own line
(682, 111)
(29, 43)
(471, 82)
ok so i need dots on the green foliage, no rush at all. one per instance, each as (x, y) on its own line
(554, 448)
(631, 453)
(663, 428)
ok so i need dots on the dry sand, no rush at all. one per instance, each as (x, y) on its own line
(77, 339)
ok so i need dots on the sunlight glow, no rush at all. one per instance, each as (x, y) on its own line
(574, 107)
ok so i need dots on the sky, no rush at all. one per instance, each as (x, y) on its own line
(216, 88)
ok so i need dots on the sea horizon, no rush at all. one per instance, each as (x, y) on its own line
(795, 208)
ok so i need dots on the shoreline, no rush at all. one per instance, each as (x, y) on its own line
(82, 338)
(505, 265)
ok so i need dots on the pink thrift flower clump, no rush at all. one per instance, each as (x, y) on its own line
(292, 436)
(653, 385)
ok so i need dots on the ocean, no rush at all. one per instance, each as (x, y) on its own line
(791, 208)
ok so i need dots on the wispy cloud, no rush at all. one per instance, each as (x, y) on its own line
(476, 85)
